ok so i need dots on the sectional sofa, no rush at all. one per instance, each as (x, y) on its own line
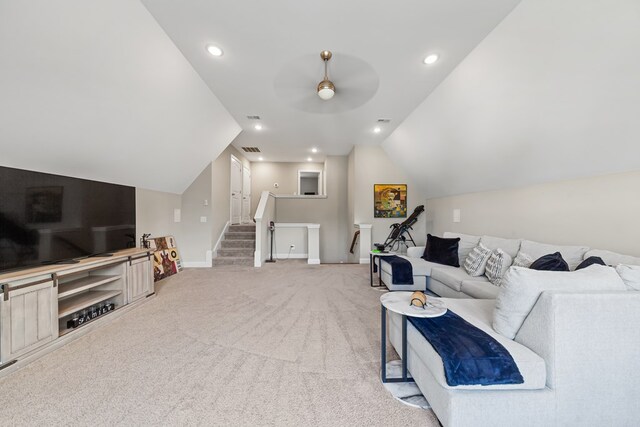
(577, 351)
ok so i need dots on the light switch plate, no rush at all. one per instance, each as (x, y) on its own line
(456, 215)
(176, 215)
(203, 219)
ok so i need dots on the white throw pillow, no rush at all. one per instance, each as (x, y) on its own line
(477, 260)
(521, 288)
(497, 265)
(630, 275)
(523, 260)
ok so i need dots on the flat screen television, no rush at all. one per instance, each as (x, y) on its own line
(45, 218)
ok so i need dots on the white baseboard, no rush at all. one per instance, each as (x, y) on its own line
(313, 261)
(364, 260)
(220, 238)
(292, 256)
(196, 264)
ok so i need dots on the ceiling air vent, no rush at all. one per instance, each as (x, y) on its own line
(384, 120)
(253, 117)
(251, 149)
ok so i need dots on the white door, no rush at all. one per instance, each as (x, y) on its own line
(236, 191)
(246, 195)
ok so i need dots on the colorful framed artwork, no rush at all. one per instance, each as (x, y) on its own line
(390, 200)
(166, 258)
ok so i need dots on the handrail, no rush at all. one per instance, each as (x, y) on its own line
(354, 241)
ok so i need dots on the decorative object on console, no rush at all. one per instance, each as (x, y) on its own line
(476, 262)
(590, 261)
(442, 251)
(144, 241)
(497, 265)
(419, 299)
(630, 275)
(390, 200)
(521, 288)
(550, 262)
(166, 258)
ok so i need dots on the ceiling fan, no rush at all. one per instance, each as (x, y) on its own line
(356, 80)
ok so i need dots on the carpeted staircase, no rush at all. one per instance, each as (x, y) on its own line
(238, 246)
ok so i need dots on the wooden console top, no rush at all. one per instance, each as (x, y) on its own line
(120, 256)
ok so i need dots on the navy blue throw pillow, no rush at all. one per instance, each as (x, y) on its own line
(442, 251)
(551, 262)
(590, 261)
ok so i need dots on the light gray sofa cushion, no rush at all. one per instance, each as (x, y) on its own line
(479, 289)
(521, 288)
(510, 246)
(573, 255)
(630, 275)
(612, 258)
(453, 277)
(466, 244)
(479, 314)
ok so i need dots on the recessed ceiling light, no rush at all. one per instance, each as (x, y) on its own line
(258, 126)
(377, 129)
(309, 159)
(314, 150)
(260, 158)
(214, 50)
(430, 59)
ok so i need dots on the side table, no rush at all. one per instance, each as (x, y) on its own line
(399, 302)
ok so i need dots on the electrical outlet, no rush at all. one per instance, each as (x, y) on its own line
(292, 247)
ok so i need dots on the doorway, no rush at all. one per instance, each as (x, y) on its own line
(246, 195)
(236, 191)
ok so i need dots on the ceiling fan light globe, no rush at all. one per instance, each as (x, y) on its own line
(326, 90)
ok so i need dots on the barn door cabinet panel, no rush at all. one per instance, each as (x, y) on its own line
(29, 316)
(139, 278)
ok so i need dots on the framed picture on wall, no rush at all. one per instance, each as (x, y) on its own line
(390, 200)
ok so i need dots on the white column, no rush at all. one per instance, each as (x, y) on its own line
(365, 242)
(313, 239)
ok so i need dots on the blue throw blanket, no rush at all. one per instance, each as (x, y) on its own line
(401, 270)
(470, 356)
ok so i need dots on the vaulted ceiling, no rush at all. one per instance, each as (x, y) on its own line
(271, 63)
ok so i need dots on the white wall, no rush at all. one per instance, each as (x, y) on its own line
(154, 214)
(265, 174)
(600, 212)
(371, 165)
(97, 90)
(196, 238)
(331, 213)
(551, 94)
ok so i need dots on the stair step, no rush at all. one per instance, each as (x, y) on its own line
(239, 236)
(236, 252)
(226, 244)
(242, 228)
(233, 261)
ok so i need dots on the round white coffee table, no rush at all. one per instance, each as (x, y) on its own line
(399, 302)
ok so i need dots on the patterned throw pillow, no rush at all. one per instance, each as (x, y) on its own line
(477, 260)
(522, 260)
(497, 265)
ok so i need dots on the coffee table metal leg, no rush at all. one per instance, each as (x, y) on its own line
(383, 350)
(371, 270)
(404, 348)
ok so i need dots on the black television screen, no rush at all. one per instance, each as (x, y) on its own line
(47, 218)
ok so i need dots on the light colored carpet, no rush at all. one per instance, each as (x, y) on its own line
(285, 345)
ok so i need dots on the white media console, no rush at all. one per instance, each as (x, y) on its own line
(40, 307)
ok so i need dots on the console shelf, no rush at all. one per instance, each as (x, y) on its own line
(84, 284)
(86, 299)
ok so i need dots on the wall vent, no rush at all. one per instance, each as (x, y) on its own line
(251, 149)
(384, 120)
(253, 117)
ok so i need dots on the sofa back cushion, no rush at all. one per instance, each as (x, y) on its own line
(612, 258)
(521, 288)
(573, 255)
(466, 245)
(630, 275)
(509, 246)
